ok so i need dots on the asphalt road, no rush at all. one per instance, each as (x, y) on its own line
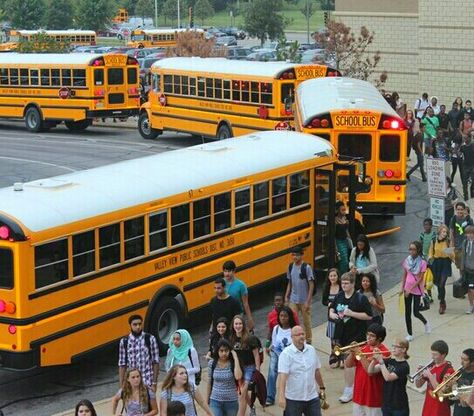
(25, 156)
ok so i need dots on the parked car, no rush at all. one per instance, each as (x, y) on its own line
(262, 55)
(312, 55)
(85, 49)
(143, 52)
(237, 52)
(233, 31)
(108, 32)
(214, 33)
(226, 41)
(124, 33)
(145, 67)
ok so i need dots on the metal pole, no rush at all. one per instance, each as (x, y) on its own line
(307, 21)
(156, 13)
(179, 16)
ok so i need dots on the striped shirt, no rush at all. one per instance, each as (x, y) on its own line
(138, 356)
(224, 388)
(187, 398)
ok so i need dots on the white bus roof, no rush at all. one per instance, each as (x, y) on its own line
(161, 31)
(51, 202)
(47, 58)
(225, 66)
(322, 95)
(57, 32)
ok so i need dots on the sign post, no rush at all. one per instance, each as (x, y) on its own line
(436, 172)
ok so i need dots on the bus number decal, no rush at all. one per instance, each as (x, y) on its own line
(308, 72)
(115, 59)
(356, 121)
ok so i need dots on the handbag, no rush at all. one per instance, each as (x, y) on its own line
(425, 302)
(428, 279)
(460, 287)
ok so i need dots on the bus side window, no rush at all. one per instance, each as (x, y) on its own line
(266, 93)
(109, 245)
(79, 77)
(179, 224)
(158, 230)
(168, 84)
(134, 236)
(83, 253)
(299, 189)
(278, 194)
(45, 80)
(242, 206)
(260, 200)
(287, 95)
(51, 263)
(34, 76)
(226, 89)
(13, 76)
(222, 211)
(4, 76)
(201, 217)
(24, 76)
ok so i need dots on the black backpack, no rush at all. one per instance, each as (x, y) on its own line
(303, 274)
(198, 375)
(147, 343)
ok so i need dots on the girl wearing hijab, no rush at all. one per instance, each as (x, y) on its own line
(181, 351)
(413, 286)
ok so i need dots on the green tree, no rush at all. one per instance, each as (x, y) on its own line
(170, 10)
(288, 51)
(25, 14)
(145, 8)
(43, 43)
(59, 14)
(203, 10)
(264, 21)
(94, 14)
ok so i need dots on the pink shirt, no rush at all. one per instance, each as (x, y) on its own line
(411, 279)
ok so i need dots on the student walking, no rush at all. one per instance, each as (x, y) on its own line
(417, 145)
(332, 286)
(369, 288)
(343, 238)
(181, 351)
(299, 291)
(457, 227)
(363, 260)
(139, 350)
(412, 287)
(467, 266)
(222, 332)
(222, 305)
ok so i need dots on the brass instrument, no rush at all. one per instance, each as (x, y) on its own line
(413, 377)
(437, 393)
(455, 392)
(359, 355)
(341, 350)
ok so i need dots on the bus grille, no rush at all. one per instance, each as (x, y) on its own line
(116, 98)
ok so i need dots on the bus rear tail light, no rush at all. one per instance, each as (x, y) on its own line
(132, 61)
(7, 307)
(317, 122)
(12, 329)
(133, 90)
(288, 75)
(98, 62)
(99, 92)
(397, 188)
(332, 74)
(389, 173)
(397, 173)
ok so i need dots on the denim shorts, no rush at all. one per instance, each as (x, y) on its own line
(248, 372)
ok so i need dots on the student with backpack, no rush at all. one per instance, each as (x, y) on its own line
(224, 374)
(181, 351)
(137, 399)
(139, 350)
(299, 292)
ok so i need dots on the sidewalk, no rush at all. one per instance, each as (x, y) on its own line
(451, 327)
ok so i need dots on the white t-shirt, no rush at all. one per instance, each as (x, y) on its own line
(420, 107)
(281, 338)
(301, 367)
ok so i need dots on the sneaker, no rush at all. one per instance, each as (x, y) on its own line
(470, 310)
(253, 412)
(409, 338)
(269, 403)
(427, 328)
(346, 395)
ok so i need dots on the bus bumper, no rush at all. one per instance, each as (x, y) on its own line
(118, 113)
(24, 360)
(381, 209)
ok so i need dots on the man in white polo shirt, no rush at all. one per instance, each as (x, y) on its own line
(299, 377)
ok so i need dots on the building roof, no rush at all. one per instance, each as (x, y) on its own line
(322, 95)
(51, 202)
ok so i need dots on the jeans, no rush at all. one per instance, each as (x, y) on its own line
(272, 377)
(468, 176)
(388, 412)
(419, 164)
(299, 307)
(224, 408)
(299, 408)
(415, 299)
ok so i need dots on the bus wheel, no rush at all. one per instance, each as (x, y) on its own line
(166, 319)
(223, 132)
(145, 129)
(80, 125)
(33, 120)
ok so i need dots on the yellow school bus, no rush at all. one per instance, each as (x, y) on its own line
(81, 252)
(359, 122)
(157, 38)
(70, 37)
(47, 89)
(217, 97)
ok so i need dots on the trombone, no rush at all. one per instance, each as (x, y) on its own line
(455, 392)
(413, 377)
(437, 393)
(341, 350)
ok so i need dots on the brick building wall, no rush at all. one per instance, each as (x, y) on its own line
(420, 42)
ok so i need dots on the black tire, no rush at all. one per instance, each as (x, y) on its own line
(223, 132)
(33, 120)
(80, 125)
(145, 129)
(166, 318)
